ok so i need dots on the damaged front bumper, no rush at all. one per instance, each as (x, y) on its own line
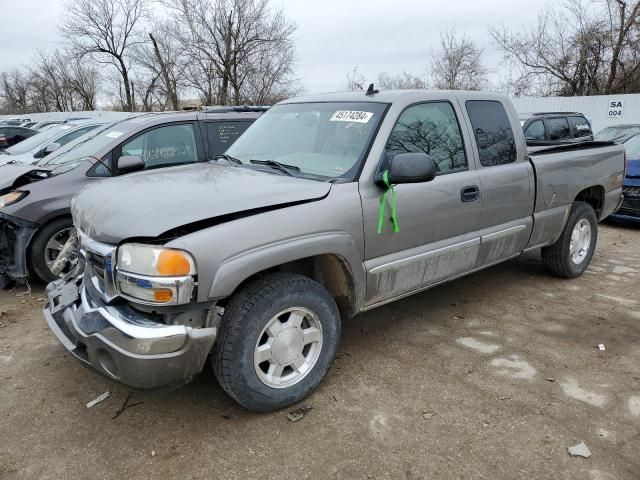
(15, 235)
(122, 343)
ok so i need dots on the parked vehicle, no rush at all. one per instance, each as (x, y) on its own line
(327, 206)
(630, 208)
(35, 220)
(10, 135)
(43, 143)
(555, 128)
(618, 133)
(46, 124)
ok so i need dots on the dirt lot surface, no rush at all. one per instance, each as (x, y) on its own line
(492, 376)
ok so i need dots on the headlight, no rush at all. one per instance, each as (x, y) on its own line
(155, 275)
(11, 198)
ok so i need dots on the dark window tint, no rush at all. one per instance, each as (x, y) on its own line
(221, 135)
(558, 128)
(164, 146)
(580, 126)
(535, 131)
(430, 128)
(492, 129)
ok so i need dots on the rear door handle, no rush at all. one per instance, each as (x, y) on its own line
(470, 193)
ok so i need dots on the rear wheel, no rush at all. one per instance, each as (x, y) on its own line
(277, 340)
(570, 256)
(46, 247)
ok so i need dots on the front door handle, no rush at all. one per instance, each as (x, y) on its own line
(470, 193)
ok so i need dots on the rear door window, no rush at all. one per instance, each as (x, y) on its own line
(164, 146)
(535, 131)
(558, 128)
(493, 133)
(221, 135)
(580, 127)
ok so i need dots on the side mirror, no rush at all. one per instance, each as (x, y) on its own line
(409, 168)
(52, 147)
(130, 163)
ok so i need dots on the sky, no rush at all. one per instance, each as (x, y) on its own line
(333, 36)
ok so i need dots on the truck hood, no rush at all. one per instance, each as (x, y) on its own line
(148, 204)
(15, 175)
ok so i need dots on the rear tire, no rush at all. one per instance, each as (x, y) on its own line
(278, 337)
(570, 256)
(41, 251)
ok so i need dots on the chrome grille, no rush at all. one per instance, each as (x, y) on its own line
(99, 266)
(95, 261)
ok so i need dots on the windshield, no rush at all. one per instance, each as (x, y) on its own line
(89, 144)
(321, 139)
(72, 151)
(38, 139)
(632, 148)
(610, 134)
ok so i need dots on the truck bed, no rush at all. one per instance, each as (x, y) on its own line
(561, 174)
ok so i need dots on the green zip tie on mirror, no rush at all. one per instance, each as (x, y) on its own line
(383, 205)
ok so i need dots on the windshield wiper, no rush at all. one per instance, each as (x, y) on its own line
(283, 167)
(228, 158)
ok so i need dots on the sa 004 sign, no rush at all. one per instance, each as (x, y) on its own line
(615, 109)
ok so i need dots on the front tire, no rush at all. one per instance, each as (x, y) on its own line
(278, 337)
(46, 245)
(570, 256)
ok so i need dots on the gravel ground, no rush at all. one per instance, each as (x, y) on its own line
(491, 376)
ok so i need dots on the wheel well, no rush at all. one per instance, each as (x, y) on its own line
(331, 271)
(594, 196)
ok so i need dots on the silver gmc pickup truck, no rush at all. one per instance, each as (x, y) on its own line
(327, 206)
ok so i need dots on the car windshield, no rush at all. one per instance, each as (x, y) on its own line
(89, 144)
(632, 147)
(38, 139)
(72, 151)
(616, 133)
(320, 139)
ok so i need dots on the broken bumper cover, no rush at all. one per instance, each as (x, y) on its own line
(15, 235)
(124, 344)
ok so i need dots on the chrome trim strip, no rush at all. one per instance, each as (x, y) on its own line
(183, 287)
(503, 233)
(425, 255)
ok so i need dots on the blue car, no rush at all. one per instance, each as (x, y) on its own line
(630, 209)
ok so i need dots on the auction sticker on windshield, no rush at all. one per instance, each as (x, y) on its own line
(113, 134)
(351, 116)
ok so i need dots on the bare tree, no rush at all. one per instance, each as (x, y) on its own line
(581, 49)
(232, 39)
(457, 65)
(355, 80)
(105, 30)
(403, 81)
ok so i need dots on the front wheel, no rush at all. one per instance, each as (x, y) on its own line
(570, 256)
(278, 337)
(46, 248)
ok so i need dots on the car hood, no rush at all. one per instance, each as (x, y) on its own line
(148, 204)
(24, 158)
(15, 175)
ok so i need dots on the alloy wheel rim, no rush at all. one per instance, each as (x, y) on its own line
(288, 347)
(580, 241)
(53, 248)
